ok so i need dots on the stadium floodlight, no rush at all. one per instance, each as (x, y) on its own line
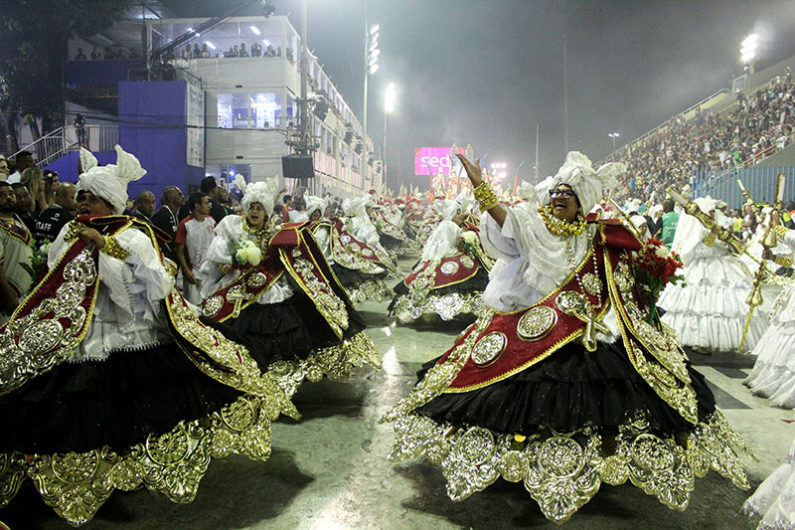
(749, 48)
(390, 98)
(613, 135)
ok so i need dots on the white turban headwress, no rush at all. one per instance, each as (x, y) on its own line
(578, 173)
(110, 181)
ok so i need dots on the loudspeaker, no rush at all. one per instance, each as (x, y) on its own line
(298, 167)
(321, 109)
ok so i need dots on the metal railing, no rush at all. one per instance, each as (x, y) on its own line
(59, 142)
(48, 148)
(759, 181)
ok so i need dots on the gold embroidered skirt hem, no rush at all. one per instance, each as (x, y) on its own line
(448, 306)
(563, 471)
(75, 485)
(335, 362)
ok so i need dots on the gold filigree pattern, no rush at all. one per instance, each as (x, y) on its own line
(220, 358)
(563, 471)
(439, 377)
(75, 485)
(212, 305)
(536, 323)
(372, 289)
(41, 332)
(325, 299)
(349, 254)
(448, 306)
(653, 351)
(114, 249)
(257, 280)
(335, 362)
(489, 348)
(592, 284)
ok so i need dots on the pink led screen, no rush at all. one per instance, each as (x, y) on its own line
(428, 160)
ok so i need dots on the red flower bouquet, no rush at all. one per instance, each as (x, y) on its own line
(655, 267)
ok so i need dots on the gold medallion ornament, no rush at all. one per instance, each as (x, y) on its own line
(43, 335)
(449, 268)
(212, 305)
(536, 323)
(559, 227)
(257, 280)
(489, 348)
(592, 284)
(467, 262)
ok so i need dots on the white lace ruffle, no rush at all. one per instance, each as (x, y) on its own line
(773, 375)
(708, 309)
(774, 499)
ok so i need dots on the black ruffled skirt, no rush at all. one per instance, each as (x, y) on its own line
(570, 390)
(116, 402)
(389, 242)
(284, 331)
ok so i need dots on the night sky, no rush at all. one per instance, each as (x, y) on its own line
(486, 71)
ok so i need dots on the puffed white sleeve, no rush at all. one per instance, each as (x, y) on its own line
(220, 252)
(138, 283)
(442, 241)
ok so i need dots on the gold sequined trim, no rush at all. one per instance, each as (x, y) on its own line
(113, 249)
(373, 290)
(447, 306)
(75, 485)
(335, 362)
(41, 330)
(563, 471)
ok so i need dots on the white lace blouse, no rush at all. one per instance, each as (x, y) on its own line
(128, 311)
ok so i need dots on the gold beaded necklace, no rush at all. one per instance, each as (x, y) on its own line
(260, 233)
(560, 227)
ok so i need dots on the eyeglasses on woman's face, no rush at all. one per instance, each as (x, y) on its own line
(561, 193)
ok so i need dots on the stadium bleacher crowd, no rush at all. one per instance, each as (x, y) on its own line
(755, 127)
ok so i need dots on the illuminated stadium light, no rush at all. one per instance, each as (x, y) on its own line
(390, 98)
(255, 30)
(749, 48)
(210, 45)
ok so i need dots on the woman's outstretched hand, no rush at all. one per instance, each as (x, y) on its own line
(474, 171)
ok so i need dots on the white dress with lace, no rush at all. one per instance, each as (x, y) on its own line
(774, 500)
(708, 309)
(773, 375)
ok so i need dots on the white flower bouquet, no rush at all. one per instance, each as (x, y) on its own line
(468, 242)
(247, 253)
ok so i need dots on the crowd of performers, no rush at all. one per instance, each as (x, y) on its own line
(571, 370)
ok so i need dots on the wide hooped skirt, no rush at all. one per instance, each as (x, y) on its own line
(563, 427)
(293, 342)
(139, 418)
